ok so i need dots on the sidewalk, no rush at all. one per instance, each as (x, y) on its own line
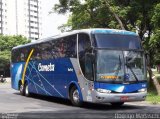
(8, 79)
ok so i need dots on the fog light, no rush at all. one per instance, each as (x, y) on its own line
(103, 90)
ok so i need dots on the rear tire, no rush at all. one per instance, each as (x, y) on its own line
(75, 96)
(117, 104)
(26, 90)
(21, 89)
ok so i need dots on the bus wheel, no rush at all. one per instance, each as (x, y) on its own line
(21, 89)
(117, 104)
(75, 97)
(26, 90)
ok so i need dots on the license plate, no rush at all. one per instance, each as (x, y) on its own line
(124, 98)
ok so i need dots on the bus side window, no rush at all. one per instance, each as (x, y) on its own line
(13, 57)
(70, 45)
(38, 55)
(83, 44)
(33, 57)
(61, 48)
(53, 49)
(22, 56)
(45, 51)
(17, 53)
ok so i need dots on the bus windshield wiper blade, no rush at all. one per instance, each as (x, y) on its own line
(135, 76)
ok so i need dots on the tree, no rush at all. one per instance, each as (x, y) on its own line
(4, 60)
(6, 44)
(154, 43)
(108, 13)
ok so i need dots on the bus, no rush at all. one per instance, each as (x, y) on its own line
(87, 65)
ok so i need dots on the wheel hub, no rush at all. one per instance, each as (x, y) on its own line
(76, 96)
(26, 91)
(21, 88)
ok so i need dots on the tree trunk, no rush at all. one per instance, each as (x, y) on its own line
(114, 14)
(152, 79)
(150, 74)
(156, 84)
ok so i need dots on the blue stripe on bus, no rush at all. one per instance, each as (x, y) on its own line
(122, 88)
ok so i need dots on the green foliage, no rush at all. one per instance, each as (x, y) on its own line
(100, 13)
(154, 46)
(6, 44)
(4, 60)
(153, 98)
(154, 41)
(156, 16)
(152, 93)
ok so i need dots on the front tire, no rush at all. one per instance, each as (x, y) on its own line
(75, 96)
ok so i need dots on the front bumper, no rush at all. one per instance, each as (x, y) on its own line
(123, 97)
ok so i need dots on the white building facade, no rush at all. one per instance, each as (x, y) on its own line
(21, 17)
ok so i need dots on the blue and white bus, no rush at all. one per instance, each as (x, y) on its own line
(89, 65)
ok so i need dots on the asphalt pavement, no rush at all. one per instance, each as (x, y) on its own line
(13, 105)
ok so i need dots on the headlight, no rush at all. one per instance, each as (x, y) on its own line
(142, 90)
(103, 90)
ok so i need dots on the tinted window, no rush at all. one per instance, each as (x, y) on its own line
(70, 46)
(46, 50)
(19, 55)
(64, 47)
(54, 49)
(37, 53)
(14, 56)
(117, 41)
(61, 48)
(83, 46)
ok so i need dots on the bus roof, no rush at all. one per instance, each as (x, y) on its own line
(88, 31)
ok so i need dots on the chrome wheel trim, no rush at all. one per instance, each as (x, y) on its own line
(26, 90)
(21, 88)
(76, 96)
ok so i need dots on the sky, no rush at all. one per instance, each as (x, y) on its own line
(50, 22)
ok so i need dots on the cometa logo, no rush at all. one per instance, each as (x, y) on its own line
(50, 67)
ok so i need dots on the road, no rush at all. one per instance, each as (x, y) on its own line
(14, 105)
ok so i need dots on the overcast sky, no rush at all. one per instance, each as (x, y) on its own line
(50, 22)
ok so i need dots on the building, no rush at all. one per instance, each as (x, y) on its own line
(3, 16)
(21, 17)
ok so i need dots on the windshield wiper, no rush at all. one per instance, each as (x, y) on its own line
(135, 76)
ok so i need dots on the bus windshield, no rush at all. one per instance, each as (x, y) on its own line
(120, 66)
(117, 41)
